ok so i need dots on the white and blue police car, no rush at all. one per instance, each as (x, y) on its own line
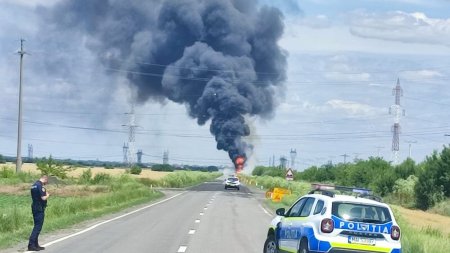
(328, 221)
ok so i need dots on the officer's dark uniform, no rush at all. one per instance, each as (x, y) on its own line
(38, 208)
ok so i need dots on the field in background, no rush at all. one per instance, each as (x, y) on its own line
(76, 172)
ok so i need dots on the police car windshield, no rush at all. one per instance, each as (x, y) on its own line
(361, 212)
(233, 179)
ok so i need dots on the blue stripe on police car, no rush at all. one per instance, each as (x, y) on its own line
(363, 227)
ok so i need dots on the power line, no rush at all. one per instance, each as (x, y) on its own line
(386, 81)
(378, 71)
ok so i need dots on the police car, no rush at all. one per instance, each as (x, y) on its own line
(232, 182)
(325, 220)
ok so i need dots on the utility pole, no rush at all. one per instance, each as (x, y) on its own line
(410, 142)
(19, 126)
(356, 155)
(345, 158)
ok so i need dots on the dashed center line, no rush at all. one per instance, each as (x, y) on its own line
(197, 221)
(182, 249)
(201, 214)
(192, 231)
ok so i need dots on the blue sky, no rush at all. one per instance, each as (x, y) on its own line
(344, 59)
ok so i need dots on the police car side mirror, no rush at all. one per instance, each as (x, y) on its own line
(280, 211)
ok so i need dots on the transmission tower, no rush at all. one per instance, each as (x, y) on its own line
(125, 153)
(293, 154)
(396, 110)
(30, 152)
(166, 157)
(131, 136)
(139, 156)
(283, 162)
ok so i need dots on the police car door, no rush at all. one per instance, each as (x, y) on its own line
(287, 240)
(299, 224)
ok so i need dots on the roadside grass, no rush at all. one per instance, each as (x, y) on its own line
(79, 199)
(179, 179)
(414, 240)
(16, 219)
(442, 208)
(8, 176)
(421, 240)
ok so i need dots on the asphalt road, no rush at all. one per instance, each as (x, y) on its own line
(203, 219)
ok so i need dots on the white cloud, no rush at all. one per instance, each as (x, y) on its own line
(341, 68)
(401, 26)
(421, 74)
(318, 22)
(352, 108)
(353, 77)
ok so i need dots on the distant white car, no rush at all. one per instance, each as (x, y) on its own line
(232, 182)
(326, 222)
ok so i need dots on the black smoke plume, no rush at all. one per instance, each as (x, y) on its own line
(219, 57)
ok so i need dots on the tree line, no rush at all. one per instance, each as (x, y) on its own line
(410, 184)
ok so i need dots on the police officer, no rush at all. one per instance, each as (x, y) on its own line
(39, 195)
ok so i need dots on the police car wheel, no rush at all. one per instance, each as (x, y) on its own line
(304, 246)
(270, 246)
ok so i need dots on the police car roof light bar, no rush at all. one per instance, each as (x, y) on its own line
(362, 192)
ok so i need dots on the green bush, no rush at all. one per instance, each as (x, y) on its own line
(51, 167)
(162, 167)
(85, 177)
(101, 178)
(6, 172)
(2, 159)
(109, 166)
(135, 170)
(433, 183)
(404, 191)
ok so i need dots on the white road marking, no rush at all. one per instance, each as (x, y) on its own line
(192, 231)
(107, 221)
(265, 211)
(201, 214)
(197, 221)
(205, 208)
(182, 249)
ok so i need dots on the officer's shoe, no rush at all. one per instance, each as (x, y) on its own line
(33, 248)
(40, 247)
